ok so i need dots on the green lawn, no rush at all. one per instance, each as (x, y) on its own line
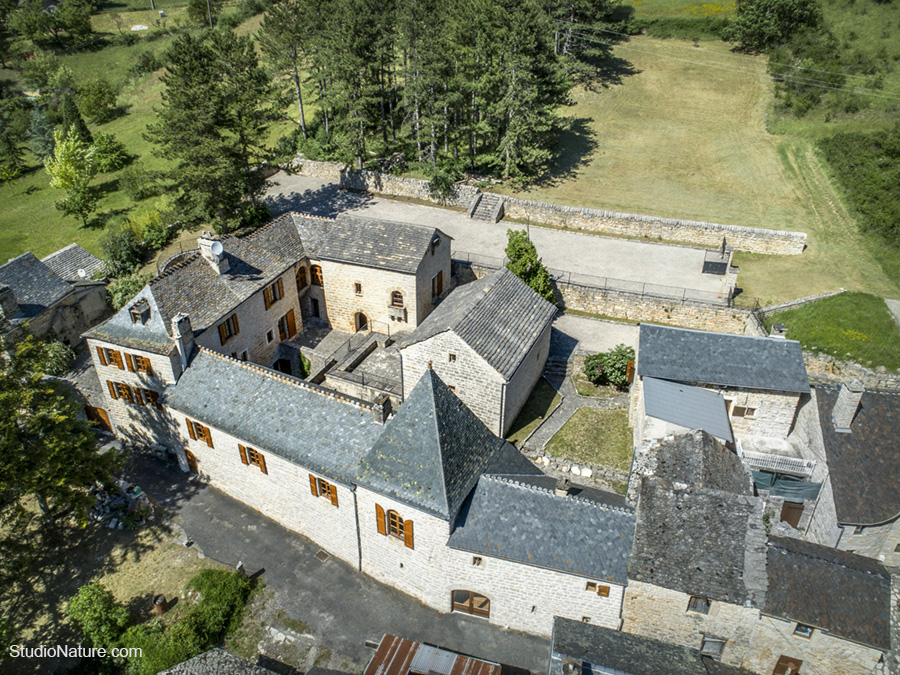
(544, 398)
(854, 326)
(654, 9)
(597, 437)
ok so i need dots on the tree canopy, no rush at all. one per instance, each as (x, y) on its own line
(764, 24)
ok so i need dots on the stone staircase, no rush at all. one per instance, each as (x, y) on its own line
(555, 371)
(487, 207)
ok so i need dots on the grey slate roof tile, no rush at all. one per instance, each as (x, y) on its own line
(864, 464)
(698, 460)
(121, 330)
(431, 452)
(36, 286)
(719, 358)
(498, 316)
(67, 261)
(276, 413)
(687, 406)
(216, 662)
(514, 519)
(845, 594)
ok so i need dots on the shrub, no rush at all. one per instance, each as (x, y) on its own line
(124, 249)
(109, 152)
(254, 215)
(124, 289)
(97, 101)
(153, 228)
(525, 264)
(610, 367)
(98, 616)
(147, 63)
(441, 186)
(138, 183)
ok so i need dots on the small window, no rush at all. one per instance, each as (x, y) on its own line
(698, 604)
(712, 647)
(142, 364)
(269, 337)
(586, 619)
(787, 665)
(316, 274)
(803, 630)
(322, 488)
(273, 293)
(600, 589)
(437, 284)
(357, 288)
(591, 586)
(897, 548)
(287, 327)
(451, 358)
(396, 299)
(301, 279)
(395, 525)
(451, 388)
(229, 328)
(739, 411)
(749, 412)
(477, 561)
(253, 457)
(245, 355)
(198, 432)
(151, 398)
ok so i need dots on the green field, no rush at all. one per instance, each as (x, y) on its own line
(595, 436)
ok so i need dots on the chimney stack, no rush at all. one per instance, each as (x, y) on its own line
(779, 330)
(846, 406)
(8, 305)
(211, 249)
(382, 409)
(183, 334)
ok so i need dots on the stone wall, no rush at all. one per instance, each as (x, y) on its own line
(799, 302)
(519, 387)
(410, 188)
(309, 167)
(879, 542)
(825, 368)
(774, 411)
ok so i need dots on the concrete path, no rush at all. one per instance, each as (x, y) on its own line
(574, 252)
(584, 335)
(342, 606)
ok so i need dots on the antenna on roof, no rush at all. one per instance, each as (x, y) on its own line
(82, 273)
(216, 249)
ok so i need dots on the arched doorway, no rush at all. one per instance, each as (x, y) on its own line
(361, 321)
(470, 602)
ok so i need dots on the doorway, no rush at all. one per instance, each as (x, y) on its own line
(314, 304)
(191, 461)
(361, 321)
(284, 365)
(471, 602)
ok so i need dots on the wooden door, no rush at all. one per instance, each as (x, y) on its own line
(471, 603)
(787, 665)
(790, 513)
(99, 416)
(192, 461)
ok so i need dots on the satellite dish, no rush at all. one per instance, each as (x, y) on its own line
(216, 248)
(82, 273)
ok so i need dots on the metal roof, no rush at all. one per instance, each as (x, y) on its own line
(687, 406)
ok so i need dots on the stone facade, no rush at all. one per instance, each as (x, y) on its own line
(519, 387)
(774, 414)
(881, 542)
(522, 597)
(66, 320)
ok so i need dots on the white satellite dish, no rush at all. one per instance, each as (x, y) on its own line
(82, 273)
(216, 248)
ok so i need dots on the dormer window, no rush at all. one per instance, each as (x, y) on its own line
(140, 312)
(699, 604)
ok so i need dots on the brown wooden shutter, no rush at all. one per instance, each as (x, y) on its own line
(102, 356)
(603, 591)
(334, 500)
(191, 432)
(137, 396)
(262, 462)
(223, 333)
(130, 362)
(280, 288)
(380, 520)
(112, 389)
(243, 451)
(207, 436)
(408, 533)
(440, 288)
(117, 358)
(234, 324)
(144, 364)
(313, 485)
(282, 329)
(291, 325)
(267, 296)
(629, 371)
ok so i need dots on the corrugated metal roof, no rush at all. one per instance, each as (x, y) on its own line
(687, 406)
(399, 656)
(433, 660)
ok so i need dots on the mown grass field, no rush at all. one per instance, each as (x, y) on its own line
(595, 436)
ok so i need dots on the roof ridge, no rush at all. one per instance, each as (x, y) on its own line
(289, 379)
(192, 255)
(821, 558)
(64, 248)
(735, 335)
(535, 488)
(437, 430)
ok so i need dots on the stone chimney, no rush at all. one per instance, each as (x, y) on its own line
(382, 409)
(779, 330)
(9, 307)
(846, 405)
(211, 249)
(183, 334)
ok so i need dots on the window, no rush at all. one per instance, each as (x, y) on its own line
(600, 589)
(198, 432)
(712, 647)
(585, 619)
(897, 548)
(396, 299)
(140, 312)
(110, 357)
(252, 457)
(152, 398)
(357, 288)
(316, 273)
(470, 602)
(229, 328)
(437, 284)
(301, 279)
(743, 411)
(273, 293)
(134, 395)
(451, 358)
(803, 630)
(286, 326)
(245, 355)
(390, 523)
(787, 665)
(477, 561)
(322, 488)
(269, 337)
(138, 364)
(452, 388)
(698, 604)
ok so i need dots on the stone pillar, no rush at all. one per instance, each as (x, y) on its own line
(846, 405)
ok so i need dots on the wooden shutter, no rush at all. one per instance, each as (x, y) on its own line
(112, 389)
(334, 500)
(291, 325)
(191, 432)
(603, 591)
(102, 356)
(408, 533)
(243, 451)
(440, 282)
(207, 436)
(267, 296)
(116, 357)
(262, 462)
(280, 288)
(380, 520)
(313, 485)
(137, 396)
(223, 333)
(629, 371)
(282, 328)
(234, 324)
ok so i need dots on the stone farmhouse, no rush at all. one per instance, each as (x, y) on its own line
(49, 296)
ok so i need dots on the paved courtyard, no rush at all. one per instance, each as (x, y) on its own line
(574, 252)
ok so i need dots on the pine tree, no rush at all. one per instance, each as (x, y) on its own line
(12, 155)
(525, 264)
(40, 135)
(72, 122)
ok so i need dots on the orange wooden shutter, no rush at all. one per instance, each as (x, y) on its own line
(380, 520)
(117, 358)
(243, 454)
(112, 389)
(291, 325)
(603, 591)
(629, 371)
(191, 432)
(130, 362)
(137, 396)
(234, 324)
(223, 333)
(334, 501)
(440, 288)
(280, 288)
(267, 296)
(262, 462)
(408, 533)
(313, 485)
(207, 436)
(102, 356)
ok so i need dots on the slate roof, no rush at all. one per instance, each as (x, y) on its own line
(698, 460)
(721, 359)
(842, 593)
(687, 406)
(431, 452)
(498, 316)
(702, 542)
(216, 662)
(121, 330)
(66, 262)
(37, 287)
(275, 413)
(865, 463)
(515, 519)
(608, 649)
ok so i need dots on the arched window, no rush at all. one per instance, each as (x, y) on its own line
(301, 279)
(396, 299)
(316, 273)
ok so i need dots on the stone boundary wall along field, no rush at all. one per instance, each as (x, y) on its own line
(799, 302)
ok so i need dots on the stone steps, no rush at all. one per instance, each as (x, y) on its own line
(487, 205)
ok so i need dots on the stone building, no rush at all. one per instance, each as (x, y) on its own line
(35, 298)
(489, 341)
